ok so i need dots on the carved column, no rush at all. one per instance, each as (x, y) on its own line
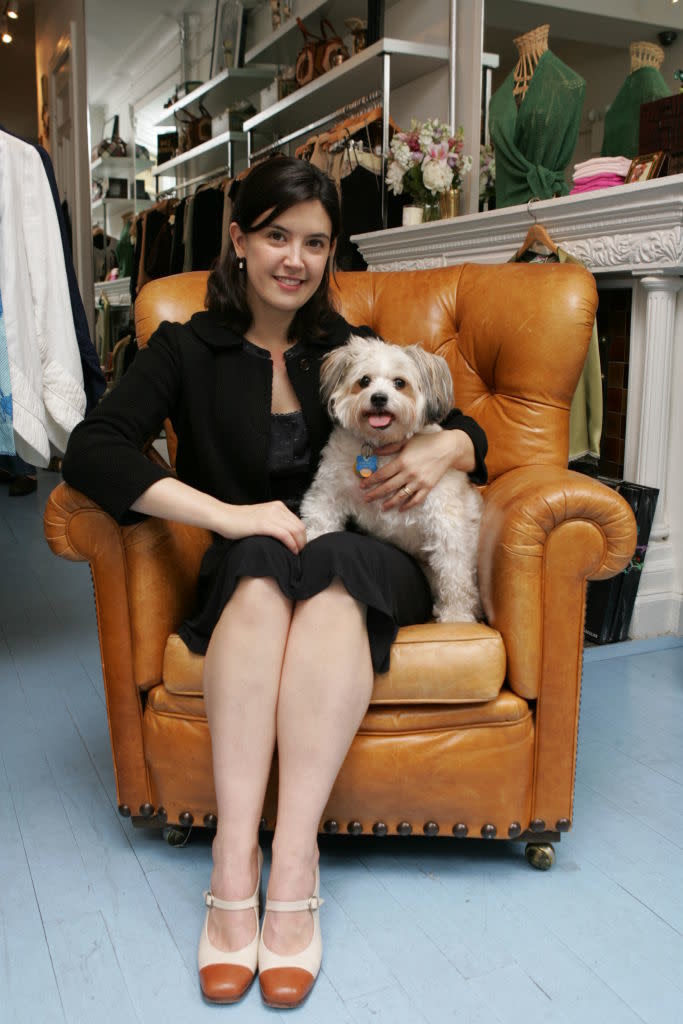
(655, 411)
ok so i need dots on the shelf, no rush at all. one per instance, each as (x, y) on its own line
(117, 291)
(356, 77)
(281, 45)
(119, 205)
(118, 166)
(202, 158)
(228, 87)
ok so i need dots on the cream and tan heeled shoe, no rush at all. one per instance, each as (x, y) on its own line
(286, 980)
(225, 976)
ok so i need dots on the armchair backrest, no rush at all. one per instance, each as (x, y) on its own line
(514, 335)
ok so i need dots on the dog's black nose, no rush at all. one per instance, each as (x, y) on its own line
(379, 399)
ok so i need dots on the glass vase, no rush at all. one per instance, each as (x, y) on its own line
(431, 211)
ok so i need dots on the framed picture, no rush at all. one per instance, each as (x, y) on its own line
(228, 36)
(645, 167)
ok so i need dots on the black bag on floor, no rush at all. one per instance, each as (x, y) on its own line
(609, 603)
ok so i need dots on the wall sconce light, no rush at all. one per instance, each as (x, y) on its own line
(12, 9)
(6, 34)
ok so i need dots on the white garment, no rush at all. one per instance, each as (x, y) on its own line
(602, 165)
(48, 398)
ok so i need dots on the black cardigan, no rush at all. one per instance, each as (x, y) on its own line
(219, 400)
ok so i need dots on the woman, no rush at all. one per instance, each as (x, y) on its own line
(292, 632)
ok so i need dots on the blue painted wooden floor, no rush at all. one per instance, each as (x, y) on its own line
(99, 922)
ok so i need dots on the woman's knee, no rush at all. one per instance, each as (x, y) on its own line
(258, 598)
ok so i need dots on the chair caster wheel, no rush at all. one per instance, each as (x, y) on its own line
(175, 835)
(540, 855)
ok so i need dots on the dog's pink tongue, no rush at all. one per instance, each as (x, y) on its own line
(379, 421)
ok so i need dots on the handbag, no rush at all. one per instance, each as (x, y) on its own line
(319, 53)
(113, 146)
(330, 51)
(193, 128)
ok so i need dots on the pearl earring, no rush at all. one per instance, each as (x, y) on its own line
(241, 263)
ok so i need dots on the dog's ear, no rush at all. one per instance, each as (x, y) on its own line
(435, 381)
(334, 368)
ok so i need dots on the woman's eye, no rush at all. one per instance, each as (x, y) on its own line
(364, 382)
(276, 236)
(399, 383)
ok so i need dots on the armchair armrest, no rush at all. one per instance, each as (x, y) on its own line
(144, 578)
(545, 531)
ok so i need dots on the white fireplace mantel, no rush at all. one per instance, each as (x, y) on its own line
(633, 234)
(632, 228)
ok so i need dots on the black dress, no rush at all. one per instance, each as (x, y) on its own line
(388, 581)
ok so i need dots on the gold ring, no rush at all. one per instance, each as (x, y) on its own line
(407, 491)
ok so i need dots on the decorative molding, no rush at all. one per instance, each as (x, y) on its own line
(630, 228)
(614, 252)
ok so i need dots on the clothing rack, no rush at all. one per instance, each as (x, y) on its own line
(373, 99)
(354, 107)
(215, 172)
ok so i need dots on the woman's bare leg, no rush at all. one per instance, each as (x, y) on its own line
(325, 689)
(241, 681)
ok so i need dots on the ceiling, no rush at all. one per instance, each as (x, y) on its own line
(122, 33)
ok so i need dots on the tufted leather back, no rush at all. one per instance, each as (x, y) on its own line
(514, 335)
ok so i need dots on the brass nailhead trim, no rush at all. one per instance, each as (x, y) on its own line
(331, 826)
(162, 816)
(404, 828)
(430, 828)
(354, 828)
(460, 830)
(379, 828)
(124, 810)
(210, 821)
(514, 830)
(488, 831)
(537, 825)
(186, 819)
(146, 810)
(563, 825)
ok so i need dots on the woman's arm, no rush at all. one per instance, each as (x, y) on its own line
(171, 499)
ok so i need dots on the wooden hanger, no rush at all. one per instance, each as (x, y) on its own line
(536, 235)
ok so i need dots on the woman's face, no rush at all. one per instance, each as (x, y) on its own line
(286, 260)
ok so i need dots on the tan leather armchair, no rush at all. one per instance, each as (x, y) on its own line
(473, 732)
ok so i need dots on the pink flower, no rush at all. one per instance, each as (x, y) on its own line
(439, 152)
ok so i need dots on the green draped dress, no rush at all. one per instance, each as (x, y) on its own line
(535, 142)
(622, 120)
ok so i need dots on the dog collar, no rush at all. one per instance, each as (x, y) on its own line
(366, 462)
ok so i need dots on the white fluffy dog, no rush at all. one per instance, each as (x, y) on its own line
(379, 394)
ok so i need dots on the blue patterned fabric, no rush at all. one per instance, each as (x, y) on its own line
(6, 432)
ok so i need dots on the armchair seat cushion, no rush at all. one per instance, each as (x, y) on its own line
(434, 663)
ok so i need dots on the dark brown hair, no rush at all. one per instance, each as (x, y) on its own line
(275, 185)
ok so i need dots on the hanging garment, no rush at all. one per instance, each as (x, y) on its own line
(6, 432)
(125, 251)
(48, 397)
(585, 413)
(535, 142)
(207, 227)
(93, 378)
(622, 120)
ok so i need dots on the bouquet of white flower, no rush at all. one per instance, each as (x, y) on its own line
(426, 161)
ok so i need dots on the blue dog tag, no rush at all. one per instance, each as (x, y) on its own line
(366, 465)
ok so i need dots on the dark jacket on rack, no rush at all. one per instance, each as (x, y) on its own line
(218, 399)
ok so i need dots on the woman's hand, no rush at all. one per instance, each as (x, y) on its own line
(271, 519)
(420, 463)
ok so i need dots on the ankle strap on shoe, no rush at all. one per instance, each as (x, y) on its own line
(212, 901)
(289, 906)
